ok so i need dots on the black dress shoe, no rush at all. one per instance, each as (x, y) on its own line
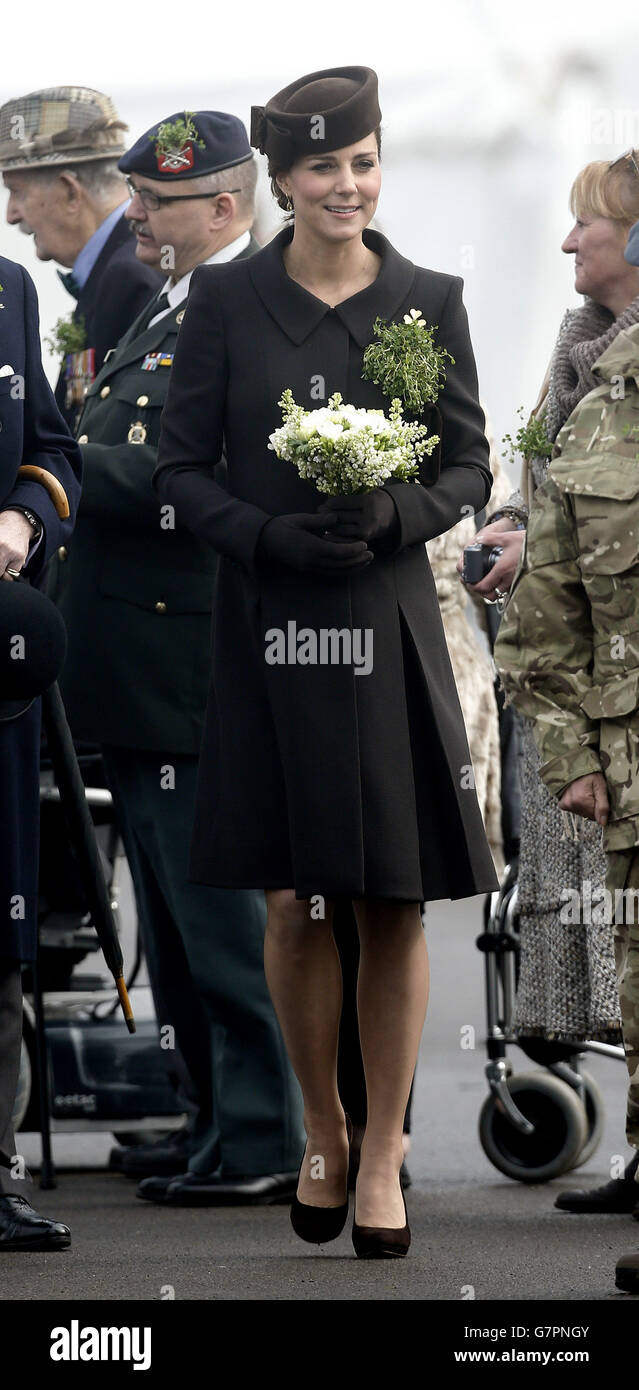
(154, 1188)
(617, 1196)
(318, 1225)
(167, 1156)
(211, 1190)
(382, 1242)
(22, 1228)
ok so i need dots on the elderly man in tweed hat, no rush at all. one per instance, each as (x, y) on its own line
(59, 151)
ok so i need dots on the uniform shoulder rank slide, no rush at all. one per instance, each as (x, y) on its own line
(153, 360)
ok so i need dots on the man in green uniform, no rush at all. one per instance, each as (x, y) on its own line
(568, 654)
(136, 593)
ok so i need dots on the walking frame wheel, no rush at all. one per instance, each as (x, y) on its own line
(553, 1138)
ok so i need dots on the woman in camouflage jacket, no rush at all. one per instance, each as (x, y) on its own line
(567, 987)
(568, 655)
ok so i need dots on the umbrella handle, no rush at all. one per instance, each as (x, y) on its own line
(125, 1002)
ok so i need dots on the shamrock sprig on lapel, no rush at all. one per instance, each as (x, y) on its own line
(405, 363)
(67, 335)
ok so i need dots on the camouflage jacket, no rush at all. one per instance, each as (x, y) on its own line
(568, 647)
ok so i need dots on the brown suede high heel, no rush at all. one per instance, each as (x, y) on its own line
(318, 1225)
(382, 1242)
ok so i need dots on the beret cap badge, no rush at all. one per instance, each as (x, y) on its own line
(174, 143)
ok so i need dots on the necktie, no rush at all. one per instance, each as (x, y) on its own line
(158, 304)
(69, 281)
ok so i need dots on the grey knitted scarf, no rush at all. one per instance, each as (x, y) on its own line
(583, 335)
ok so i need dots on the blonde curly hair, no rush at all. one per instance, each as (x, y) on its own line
(604, 189)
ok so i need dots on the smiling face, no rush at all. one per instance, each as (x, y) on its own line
(335, 194)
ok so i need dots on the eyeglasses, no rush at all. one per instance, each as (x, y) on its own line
(628, 154)
(152, 201)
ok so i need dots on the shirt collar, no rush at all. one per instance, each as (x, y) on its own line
(298, 312)
(177, 290)
(87, 257)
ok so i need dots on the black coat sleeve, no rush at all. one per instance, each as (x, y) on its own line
(465, 480)
(46, 443)
(192, 435)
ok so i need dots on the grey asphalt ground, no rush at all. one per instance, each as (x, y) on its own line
(475, 1233)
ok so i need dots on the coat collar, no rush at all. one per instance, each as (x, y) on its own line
(298, 312)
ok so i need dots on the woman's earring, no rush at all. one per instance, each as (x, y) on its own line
(289, 205)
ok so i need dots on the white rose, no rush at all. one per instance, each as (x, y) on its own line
(327, 429)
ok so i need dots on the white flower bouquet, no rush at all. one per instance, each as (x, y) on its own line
(343, 449)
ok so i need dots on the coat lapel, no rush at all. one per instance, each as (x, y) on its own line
(135, 344)
(298, 313)
(86, 298)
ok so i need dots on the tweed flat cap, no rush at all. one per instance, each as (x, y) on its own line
(59, 125)
(187, 145)
(322, 111)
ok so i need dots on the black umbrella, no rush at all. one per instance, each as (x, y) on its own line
(82, 833)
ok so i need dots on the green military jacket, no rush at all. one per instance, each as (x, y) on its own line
(568, 647)
(135, 590)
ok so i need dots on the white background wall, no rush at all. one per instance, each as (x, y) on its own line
(489, 109)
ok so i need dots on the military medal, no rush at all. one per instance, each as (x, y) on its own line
(79, 375)
(153, 360)
(137, 433)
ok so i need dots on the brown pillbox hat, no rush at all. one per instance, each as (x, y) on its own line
(322, 111)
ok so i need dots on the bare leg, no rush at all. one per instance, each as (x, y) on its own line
(304, 977)
(392, 996)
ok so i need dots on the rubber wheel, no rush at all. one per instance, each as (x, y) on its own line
(594, 1119)
(559, 1136)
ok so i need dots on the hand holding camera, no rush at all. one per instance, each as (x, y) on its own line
(488, 565)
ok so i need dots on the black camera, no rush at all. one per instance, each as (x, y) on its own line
(479, 560)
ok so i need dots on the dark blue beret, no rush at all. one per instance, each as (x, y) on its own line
(187, 145)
